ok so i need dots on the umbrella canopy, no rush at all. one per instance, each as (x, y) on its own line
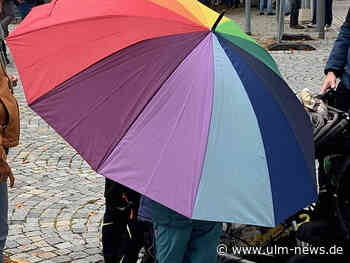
(169, 100)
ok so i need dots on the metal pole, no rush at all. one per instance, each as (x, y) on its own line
(320, 17)
(277, 11)
(308, 4)
(248, 16)
(280, 24)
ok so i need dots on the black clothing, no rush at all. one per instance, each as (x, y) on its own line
(122, 234)
(329, 12)
(294, 13)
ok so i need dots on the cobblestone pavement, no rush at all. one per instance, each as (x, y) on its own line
(57, 204)
(266, 26)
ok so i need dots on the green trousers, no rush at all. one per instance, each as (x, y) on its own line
(182, 240)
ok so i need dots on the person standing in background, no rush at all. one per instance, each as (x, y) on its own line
(268, 4)
(328, 14)
(7, 15)
(294, 14)
(287, 7)
(24, 6)
(9, 137)
(122, 234)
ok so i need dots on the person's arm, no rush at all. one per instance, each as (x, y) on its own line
(338, 57)
(5, 170)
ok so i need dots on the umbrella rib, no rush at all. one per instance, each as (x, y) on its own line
(194, 19)
(276, 70)
(200, 27)
(146, 104)
(218, 21)
(169, 139)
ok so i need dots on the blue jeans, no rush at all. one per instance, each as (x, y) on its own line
(3, 217)
(268, 3)
(286, 6)
(179, 239)
(328, 15)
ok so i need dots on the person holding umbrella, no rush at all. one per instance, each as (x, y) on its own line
(159, 112)
(180, 239)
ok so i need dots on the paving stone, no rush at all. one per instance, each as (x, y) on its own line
(64, 245)
(78, 255)
(81, 261)
(34, 259)
(48, 249)
(24, 241)
(62, 252)
(77, 248)
(21, 256)
(11, 244)
(30, 233)
(61, 259)
(13, 251)
(26, 248)
(93, 251)
(95, 258)
(53, 240)
(36, 238)
(47, 255)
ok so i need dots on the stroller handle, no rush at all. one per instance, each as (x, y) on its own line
(328, 94)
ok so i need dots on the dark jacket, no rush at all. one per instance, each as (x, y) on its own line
(122, 203)
(339, 58)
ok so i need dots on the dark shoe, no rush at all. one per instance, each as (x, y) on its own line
(271, 14)
(287, 14)
(297, 27)
(261, 13)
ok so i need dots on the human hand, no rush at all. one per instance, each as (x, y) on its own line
(13, 80)
(329, 82)
(6, 173)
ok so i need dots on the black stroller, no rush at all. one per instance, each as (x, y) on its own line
(325, 225)
(329, 228)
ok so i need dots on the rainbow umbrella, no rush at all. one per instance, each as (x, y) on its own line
(172, 100)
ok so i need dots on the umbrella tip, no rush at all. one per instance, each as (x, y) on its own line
(218, 21)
